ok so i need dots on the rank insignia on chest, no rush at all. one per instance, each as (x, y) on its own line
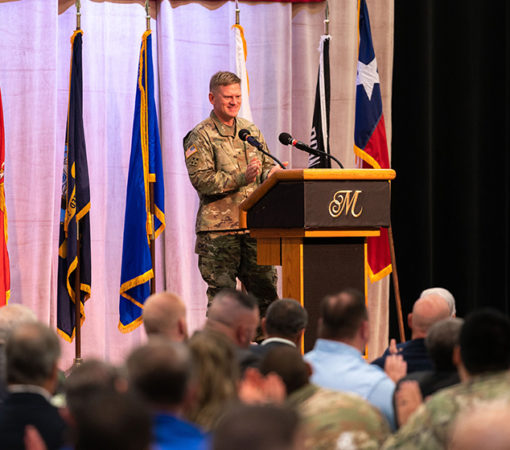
(190, 151)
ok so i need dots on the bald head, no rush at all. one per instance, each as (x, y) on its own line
(443, 293)
(486, 426)
(164, 314)
(426, 312)
(234, 314)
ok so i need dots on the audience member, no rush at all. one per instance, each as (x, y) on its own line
(10, 316)
(440, 342)
(113, 421)
(483, 360)
(164, 314)
(284, 324)
(331, 419)
(258, 427)
(235, 315)
(217, 376)
(484, 427)
(427, 311)
(161, 372)
(443, 293)
(32, 353)
(337, 359)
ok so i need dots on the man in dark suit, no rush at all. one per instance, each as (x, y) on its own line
(32, 352)
(284, 324)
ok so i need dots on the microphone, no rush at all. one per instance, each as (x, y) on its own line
(246, 136)
(287, 139)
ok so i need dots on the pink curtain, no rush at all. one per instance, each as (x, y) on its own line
(192, 40)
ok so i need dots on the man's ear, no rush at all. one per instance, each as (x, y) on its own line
(182, 328)
(211, 98)
(410, 320)
(263, 326)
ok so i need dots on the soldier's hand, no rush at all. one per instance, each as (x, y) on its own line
(253, 169)
(277, 168)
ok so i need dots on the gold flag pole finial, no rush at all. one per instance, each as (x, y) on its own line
(78, 14)
(326, 19)
(238, 13)
(148, 16)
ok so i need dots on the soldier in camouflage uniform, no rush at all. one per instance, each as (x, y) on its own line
(332, 420)
(485, 360)
(225, 171)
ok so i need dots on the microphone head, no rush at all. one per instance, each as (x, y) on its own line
(285, 138)
(243, 134)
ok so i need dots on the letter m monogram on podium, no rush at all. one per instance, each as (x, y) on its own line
(345, 201)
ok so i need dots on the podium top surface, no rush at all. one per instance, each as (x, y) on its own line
(315, 175)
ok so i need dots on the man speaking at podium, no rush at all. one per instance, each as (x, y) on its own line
(225, 171)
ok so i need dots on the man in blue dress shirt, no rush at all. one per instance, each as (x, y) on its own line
(337, 359)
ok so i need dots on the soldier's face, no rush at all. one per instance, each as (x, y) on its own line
(226, 101)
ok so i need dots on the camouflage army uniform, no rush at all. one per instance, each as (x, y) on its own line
(338, 420)
(430, 426)
(217, 160)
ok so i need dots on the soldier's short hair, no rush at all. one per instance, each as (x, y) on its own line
(223, 79)
(441, 339)
(485, 342)
(285, 318)
(32, 351)
(243, 299)
(342, 314)
(160, 371)
(257, 427)
(288, 364)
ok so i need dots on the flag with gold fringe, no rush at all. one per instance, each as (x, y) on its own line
(370, 142)
(75, 206)
(241, 53)
(5, 278)
(145, 168)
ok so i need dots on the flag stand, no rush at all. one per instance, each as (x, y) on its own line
(396, 286)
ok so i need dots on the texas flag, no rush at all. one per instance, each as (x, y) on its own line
(370, 135)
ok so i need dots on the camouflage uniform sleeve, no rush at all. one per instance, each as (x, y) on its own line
(418, 433)
(201, 165)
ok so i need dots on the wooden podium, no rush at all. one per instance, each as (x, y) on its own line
(314, 223)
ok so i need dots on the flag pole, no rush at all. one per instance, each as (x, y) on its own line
(326, 19)
(78, 14)
(396, 286)
(152, 243)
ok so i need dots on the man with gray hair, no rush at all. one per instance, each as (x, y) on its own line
(225, 171)
(444, 294)
(10, 315)
(32, 353)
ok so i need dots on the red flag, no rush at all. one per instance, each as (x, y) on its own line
(370, 135)
(5, 284)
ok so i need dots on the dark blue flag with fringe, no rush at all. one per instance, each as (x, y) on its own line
(145, 168)
(75, 207)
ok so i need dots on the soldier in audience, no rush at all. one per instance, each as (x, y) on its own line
(32, 353)
(331, 419)
(483, 360)
(164, 314)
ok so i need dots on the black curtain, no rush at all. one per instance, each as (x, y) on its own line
(450, 149)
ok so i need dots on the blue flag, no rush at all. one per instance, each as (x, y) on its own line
(145, 168)
(75, 207)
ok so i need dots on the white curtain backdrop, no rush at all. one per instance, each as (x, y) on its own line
(192, 40)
